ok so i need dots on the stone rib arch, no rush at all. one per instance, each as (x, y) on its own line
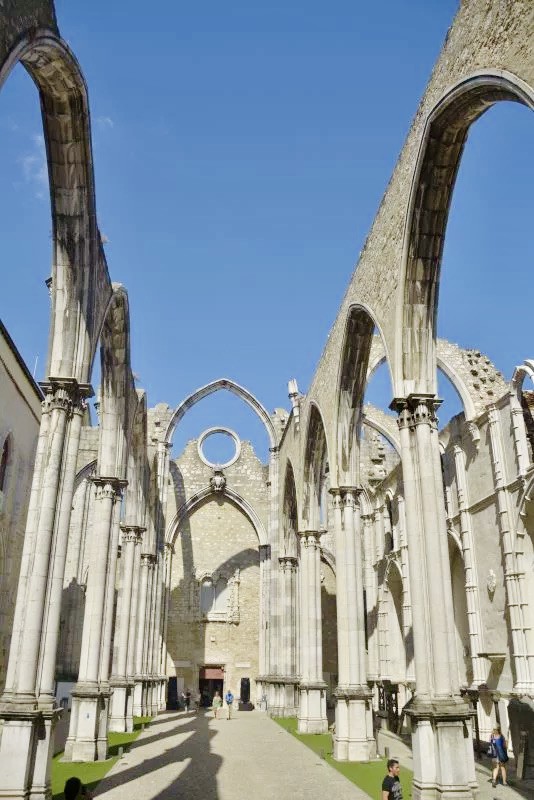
(353, 377)
(458, 365)
(117, 386)
(234, 388)
(137, 491)
(329, 558)
(440, 152)
(199, 497)
(371, 418)
(290, 513)
(316, 454)
(78, 266)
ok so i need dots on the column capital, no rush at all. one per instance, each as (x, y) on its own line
(108, 487)
(66, 394)
(132, 533)
(308, 538)
(416, 409)
(148, 560)
(169, 548)
(288, 563)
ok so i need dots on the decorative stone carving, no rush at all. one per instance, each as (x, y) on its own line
(491, 582)
(218, 481)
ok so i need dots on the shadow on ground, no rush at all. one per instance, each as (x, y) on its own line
(200, 772)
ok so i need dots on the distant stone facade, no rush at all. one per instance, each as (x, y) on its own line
(216, 548)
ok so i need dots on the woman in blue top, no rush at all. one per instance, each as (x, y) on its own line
(499, 756)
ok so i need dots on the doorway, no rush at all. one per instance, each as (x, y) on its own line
(210, 680)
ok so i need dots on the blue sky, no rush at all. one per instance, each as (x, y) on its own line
(241, 152)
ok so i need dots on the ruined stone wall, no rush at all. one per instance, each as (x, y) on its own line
(216, 540)
(487, 36)
(20, 415)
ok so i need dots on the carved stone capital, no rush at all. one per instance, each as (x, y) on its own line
(108, 488)
(148, 560)
(416, 409)
(288, 563)
(132, 533)
(66, 394)
(310, 539)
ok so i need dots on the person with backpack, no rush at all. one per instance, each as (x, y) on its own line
(229, 699)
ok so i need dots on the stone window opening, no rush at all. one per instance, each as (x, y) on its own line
(214, 599)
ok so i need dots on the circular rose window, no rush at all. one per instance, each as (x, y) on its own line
(232, 435)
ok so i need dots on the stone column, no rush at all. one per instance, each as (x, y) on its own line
(522, 643)
(88, 701)
(146, 561)
(474, 616)
(265, 570)
(371, 586)
(273, 629)
(132, 633)
(287, 700)
(131, 536)
(27, 708)
(169, 552)
(442, 746)
(312, 708)
(156, 636)
(353, 741)
(406, 600)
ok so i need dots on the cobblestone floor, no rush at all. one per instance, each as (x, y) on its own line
(247, 758)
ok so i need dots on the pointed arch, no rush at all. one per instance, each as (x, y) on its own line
(316, 469)
(117, 388)
(290, 513)
(199, 497)
(440, 153)
(216, 386)
(352, 381)
(80, 282)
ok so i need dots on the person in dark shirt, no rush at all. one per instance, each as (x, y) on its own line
(391, 785)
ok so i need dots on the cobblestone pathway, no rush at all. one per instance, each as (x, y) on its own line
(199, 758)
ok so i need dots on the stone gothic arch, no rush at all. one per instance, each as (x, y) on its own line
(234, 388)
(315, 459)
(442, 143)
(290, 514)
(353, 377)
(199, 497)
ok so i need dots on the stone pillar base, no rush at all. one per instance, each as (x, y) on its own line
(26, 749)
(312, 708)
(353, 739)
(85, 739)
(443, 761)
(138, 698)
(119, 700)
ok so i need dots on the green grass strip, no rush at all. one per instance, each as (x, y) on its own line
(366, 776)
(91, 773)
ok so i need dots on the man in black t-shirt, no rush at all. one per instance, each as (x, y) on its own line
(391, 785)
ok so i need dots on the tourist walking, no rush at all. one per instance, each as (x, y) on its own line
(499, 755)
(216, 703)
(391, 785)
(229, 698)
(187, 700)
